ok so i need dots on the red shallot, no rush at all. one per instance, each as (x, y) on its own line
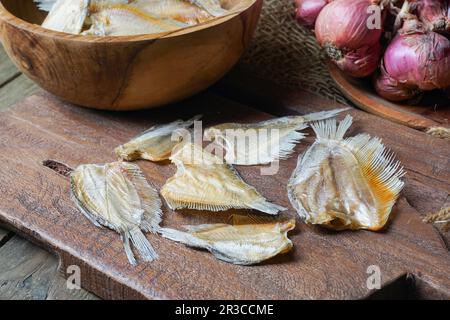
(416, 60)
(306, 11)
(435, 14)
(350, 32)
(391, 89)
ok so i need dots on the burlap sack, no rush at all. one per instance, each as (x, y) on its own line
(288, 54)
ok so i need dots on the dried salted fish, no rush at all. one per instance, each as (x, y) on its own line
(117, 195)
(66, 15)
(263, 142)
(123, 19)
(46, 5)
(179, 10)
(342, 183)
(204, 182)
(213, 7)
(442, 218)
(244, 244)
(156, 143)
(131, 17)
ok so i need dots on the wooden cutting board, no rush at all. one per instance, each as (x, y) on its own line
(411, 255)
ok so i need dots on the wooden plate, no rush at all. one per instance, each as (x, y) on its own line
(433, 110)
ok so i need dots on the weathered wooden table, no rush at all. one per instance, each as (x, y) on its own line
(26, 271)
(414, 256)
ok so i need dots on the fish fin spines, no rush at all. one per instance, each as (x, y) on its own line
(282, 152)
(127, 248)
(329, 129)
(298, 206)
(151, 203)
(166, 128)
(240, 219)
(382, 172)
(45, 5)
(182, 237)
(265, 206)
(288, 144)
(203, 227)
(142, 245)
(176, 204)
(261, 205)
(323, 115)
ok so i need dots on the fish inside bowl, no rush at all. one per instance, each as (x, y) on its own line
(126, 54)
(129, 17)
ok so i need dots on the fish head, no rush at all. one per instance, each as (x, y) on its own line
(287, 225)
(128, 152)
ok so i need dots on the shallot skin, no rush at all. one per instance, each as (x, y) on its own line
(342, 30)
(419, 59)
(362, 62)
(306, 11)
(435, 14)
(391, 89)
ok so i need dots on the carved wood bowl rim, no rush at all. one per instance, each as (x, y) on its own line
(8, 17)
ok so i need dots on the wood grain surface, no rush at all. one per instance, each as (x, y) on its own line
(28, 272)
(4, 236)
(15, 282)
(324, 264)
(14, 91)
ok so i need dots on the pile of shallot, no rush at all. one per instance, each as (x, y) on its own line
(403, 46)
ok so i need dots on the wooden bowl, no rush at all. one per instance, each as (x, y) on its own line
(124, 73)
(433, 111)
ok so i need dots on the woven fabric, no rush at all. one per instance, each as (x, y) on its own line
(288, 54)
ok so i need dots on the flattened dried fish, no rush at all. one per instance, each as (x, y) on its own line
(179, 10)
(213, 7)
(263, 142)
(342, 183)
(117, 195)
(66, 15)
(204, 182)
(46, 5)
(123, 19)
(155, 144)
(243, 244)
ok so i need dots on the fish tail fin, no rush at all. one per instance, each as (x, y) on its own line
(251, 218)
(45, 5)
(182, 237)
(142, 245)
(265, 206)
(329, 129)
(322, 115)
(128, 251)
(287, 145)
